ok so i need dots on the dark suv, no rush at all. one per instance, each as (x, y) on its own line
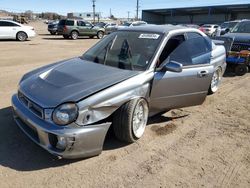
(241, 36)
(72, 28)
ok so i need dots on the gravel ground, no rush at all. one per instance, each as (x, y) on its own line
(202, 146)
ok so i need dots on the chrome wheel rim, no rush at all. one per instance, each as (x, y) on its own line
(22, 36)
(74, 35)
(100, 35)
(216, 80)
(140, 117)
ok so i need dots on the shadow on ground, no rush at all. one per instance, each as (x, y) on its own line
(61, 38)
(18, 152)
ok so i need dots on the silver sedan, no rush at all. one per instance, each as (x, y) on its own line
(68, 107)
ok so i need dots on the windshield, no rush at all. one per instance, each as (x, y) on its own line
(242, 27)
(125, 50)
(229, 25)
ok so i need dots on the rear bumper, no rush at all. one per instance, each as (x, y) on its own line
(80, 142)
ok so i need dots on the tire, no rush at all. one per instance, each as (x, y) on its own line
(66, 36)
(215, 82)
(241, 69)
(74, 35)
(100, 34)
(21, 36)
(130, 120)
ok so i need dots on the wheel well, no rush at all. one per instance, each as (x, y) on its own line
(22, 32)
(73, 31)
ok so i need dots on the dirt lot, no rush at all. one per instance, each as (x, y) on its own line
(203, 146)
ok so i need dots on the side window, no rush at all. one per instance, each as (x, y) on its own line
(174, 49)
(80, 23)
(88, 24)
(8, 24)
(70, 23)
(193, 50)
(199, 44)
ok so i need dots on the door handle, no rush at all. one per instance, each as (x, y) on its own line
(202, 74)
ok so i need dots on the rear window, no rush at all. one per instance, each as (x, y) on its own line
(66, 22)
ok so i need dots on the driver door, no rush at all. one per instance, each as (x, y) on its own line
(188, 88)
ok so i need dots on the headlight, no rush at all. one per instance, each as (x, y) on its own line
(65, 114)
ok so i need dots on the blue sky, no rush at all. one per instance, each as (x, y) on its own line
(119, 8)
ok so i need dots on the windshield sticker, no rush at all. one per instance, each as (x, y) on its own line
(149, 36)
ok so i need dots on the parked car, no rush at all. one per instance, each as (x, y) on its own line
(227, 26)
(240, 35)
(110, 27)
(132, 24)
(68, 107)
(52, 28)
(13, 30)
(72, 28)
(100, 24)
(191, 26)
(209, 29)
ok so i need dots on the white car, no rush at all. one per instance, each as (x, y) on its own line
(13, 30)
(132, 24)
(210, 29)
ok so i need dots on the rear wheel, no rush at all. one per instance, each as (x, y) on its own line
(130, 120)
(100, 34)
(74, 35)
(241, 69)
(216, 79)
(21, 36)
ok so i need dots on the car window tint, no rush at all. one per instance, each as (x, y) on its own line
(62, 22)
(8, 24)
(199, 44)
(195, 50)
(171, 45)
(81, 23)
(70, 22)
(88, 24)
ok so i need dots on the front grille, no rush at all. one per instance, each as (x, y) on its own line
(36, 109)
(237, 47)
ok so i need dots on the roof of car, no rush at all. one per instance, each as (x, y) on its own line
(154, 28)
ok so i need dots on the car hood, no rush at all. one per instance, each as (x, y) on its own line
(239, 37)
(70, 81)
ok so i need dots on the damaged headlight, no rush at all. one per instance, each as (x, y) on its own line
(65, 114)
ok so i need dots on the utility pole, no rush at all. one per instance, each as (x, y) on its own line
(137, 10)
(128, 15)
(94, 10)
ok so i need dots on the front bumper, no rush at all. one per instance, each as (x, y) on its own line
(52, 29)
(81, 142)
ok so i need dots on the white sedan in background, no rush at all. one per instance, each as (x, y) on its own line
(13, 30)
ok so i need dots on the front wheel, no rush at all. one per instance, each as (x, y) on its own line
(21, 36)
(130, 120)
(100, 34)
(216, 79)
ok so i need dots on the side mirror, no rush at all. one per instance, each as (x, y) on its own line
(227, 30)
(171, 66)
